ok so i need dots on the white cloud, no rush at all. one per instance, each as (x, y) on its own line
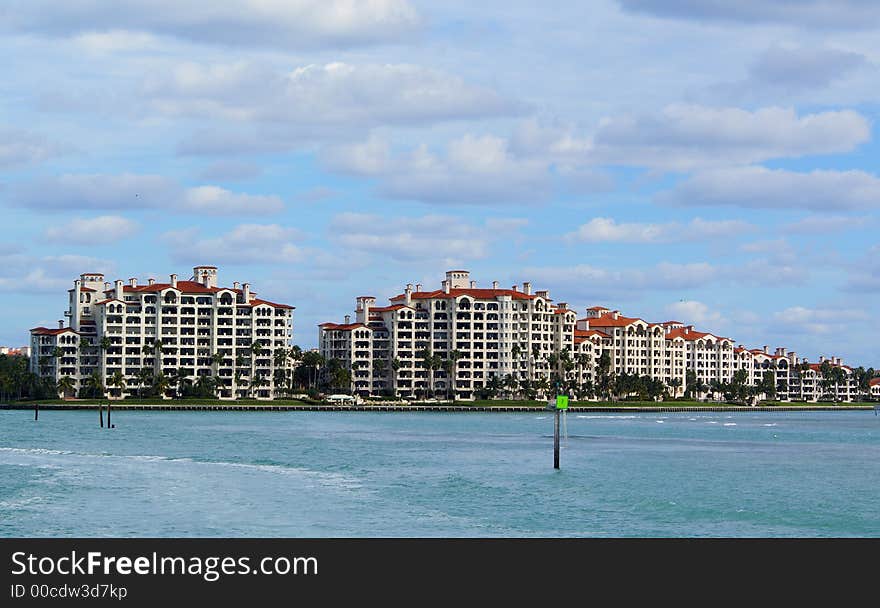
(685, 137)
(116, 41)
(601, 229)
(796, 68)
(132, 191)
(22, 272)
(474, 170)
(759, 187)
(820, 14)
(693, 312)
(820, 224)
(800, 319)
(93, 231)
(20, 147)
(429, 237)
(244, 244)
(277, 23)
(321, 96)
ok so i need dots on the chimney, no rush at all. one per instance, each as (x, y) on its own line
(494, 284)
(543, 293)
(418, 287)
(347, 319)
(151, 281)
(527, 288)
(473, 284)
(106, 285)
(236, 285)
(174, 281)
(246, 288)
(792, 356)
(615, 314)
(821, 358)
(60, 324)
(447, 286)
(562, 306)
(408, 294)
(765, 349)
(513, 287)
(133, 282)
(118, 290)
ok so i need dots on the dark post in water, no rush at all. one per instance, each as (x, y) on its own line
(561, 404)
(101, 413)
(36, 411)
(556, 439)
(108, 414)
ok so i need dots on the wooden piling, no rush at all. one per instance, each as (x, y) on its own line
(36, 411)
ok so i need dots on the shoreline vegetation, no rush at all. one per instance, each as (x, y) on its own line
(397, 405)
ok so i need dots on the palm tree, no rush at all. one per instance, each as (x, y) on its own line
(158, 351)
(64, 385)
(161, 384)
(395, 367)
(256, 350)
(144, 376)
(117, 380)
(675, 384)
(279, 359)
(236, 373)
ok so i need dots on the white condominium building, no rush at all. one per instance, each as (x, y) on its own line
(183, 329)
(475, 334)
(483, 332)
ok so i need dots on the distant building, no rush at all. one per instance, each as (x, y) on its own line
(482, 333)
(21, 351)
(175, 328)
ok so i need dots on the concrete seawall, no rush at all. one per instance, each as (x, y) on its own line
(429, 408)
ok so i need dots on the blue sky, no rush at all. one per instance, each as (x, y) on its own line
(672, 159)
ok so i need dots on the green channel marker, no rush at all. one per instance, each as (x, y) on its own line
(561, 402)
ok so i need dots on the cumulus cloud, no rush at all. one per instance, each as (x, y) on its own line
(607, 230)
(132, 191)
(590, 282)
(429, 237)
(19, 271)
(244, 244)
(288, 24)
(474, 170)
(762, 188)
(693, 312)
(800, 319)
(819, 14)
(797, 69)
(19, 147)
(92, 231)
(827, 224)
(309, 97)
(685, 137)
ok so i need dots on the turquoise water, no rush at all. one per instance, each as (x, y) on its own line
(319, 474)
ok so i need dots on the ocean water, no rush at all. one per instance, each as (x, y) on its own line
(354, 474)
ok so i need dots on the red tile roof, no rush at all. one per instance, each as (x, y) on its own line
(343, 327)
(609, 321)
(45, 331)
(874, 382)
(388, 308)
(479, 294)
(257, 302)
(597, 308)
(182, 286)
